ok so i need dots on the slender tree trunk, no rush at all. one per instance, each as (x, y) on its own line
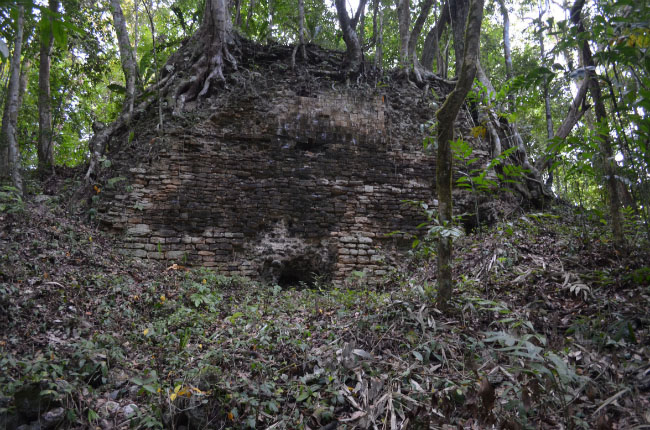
(606, 148)
(149, 11)
(45, 135)
(358, 16)
(136, 37)
(547, 98)
(362, 27)
(22, 86)
(271, 4)
(431, 48)
(577, 109)
(379, 60)
(237, 13)
(417, 29)
(507, 52)
(301, 13)
(375, 11)
(129, 66)
(507, 56)
(350, 37)
(443, 60)
(9, 150)
(547, 103)
(249, 14)
(404, 24)
(446, 117)
(458, 13)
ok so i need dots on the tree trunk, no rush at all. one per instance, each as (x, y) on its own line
(249, 14)
(358, 15)
(136, 38)
(22, 86)
(9, 150)
(443, 60)
(301, 14)
(431, 49)
(446, 117)
(458, 14)
(507, 52)
(154, 51)
(547, 99)
(606, 148)
(577, 109)
(375, 10)
(362, 26)
(237, 13)
(350, 37)
(129, 66)
(271, 6)
(404, 24)
(417, 29)
(45, 135)
(214, 36)
(507, 56)
(380, 42)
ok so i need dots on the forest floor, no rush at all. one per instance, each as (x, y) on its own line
(549, 328)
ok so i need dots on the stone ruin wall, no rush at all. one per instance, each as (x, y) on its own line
(277, 189)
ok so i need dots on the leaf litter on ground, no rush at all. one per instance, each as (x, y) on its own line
(548, 329)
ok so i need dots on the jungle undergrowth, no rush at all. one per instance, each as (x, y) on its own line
(546, 329)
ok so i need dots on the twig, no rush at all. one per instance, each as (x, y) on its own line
(611, 400)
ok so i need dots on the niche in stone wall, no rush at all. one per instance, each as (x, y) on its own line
(300, 271)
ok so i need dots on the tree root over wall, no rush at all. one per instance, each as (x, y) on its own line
(233, 65)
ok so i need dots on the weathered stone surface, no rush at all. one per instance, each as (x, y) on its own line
(282, 189)
(138, 230)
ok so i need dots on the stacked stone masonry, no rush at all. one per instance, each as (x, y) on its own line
(282, 191)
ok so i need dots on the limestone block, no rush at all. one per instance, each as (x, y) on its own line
(174, 254)
(138, 230)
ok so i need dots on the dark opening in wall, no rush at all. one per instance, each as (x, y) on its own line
(298, 272)
(305, 270)
(289, 278)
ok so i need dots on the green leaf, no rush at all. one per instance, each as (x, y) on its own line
(60, 35)
(232, 318)
(304, 395)
(116, 88)
(45, 28)
(273, 406)
(149, 389)
(92, 415)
